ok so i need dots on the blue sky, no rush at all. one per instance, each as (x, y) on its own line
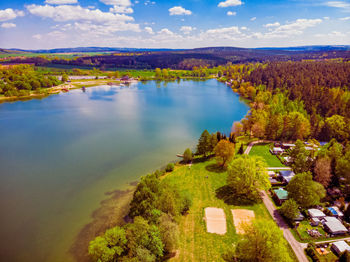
(36, 24)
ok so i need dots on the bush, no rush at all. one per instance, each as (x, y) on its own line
(170, 167)
(310, 251)
(188, 156)
(186, 202)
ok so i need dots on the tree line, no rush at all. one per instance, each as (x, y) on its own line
(20, 80)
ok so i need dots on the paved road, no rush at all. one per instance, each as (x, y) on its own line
(297, 247)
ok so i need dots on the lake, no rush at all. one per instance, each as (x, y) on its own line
(63, 157)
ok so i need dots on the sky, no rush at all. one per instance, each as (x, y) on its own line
(178, 24)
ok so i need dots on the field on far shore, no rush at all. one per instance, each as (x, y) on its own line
(202, 181)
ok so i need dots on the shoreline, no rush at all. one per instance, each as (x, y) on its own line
(63, 88)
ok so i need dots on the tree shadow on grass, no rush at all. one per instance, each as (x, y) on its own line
(111, 213)
(215, 168)
(232, 197)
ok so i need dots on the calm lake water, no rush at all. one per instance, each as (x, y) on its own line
(60, 155)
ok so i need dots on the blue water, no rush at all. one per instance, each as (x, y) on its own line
(59, 155)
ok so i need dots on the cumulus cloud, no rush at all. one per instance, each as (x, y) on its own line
(187, 29)
(37, 36)
(179, 10)
(8, 25)
(230, 13)
(63, 13)
(165, 31)
(295, 28)
(272, 25)
(9, 14)
(61, 2)
(344, 18)
(253, 18)
(121, 9)
(149, 30)
(228, 3)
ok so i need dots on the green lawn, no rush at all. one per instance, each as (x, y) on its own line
(263, 151)
(195, 243)
(302, 230)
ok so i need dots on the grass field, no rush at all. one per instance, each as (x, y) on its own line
(263, 151)
(201, 181)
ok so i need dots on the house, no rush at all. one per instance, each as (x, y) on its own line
(315, 222)
(276, 151)
(316, 213)
(339, 247)
(274, 181)
(300, 217)
(287, 146)
(279, 195)
(333, 226)
(287, 175)
(336, 212)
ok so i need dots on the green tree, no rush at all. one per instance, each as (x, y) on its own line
(64, 78)
(323, 171)
(188, 155)
(345, 256)
(169, 232)
(145, 196)
(241, 150)
(305, 191)
(289, 209)
(158, 73)
(342, 168)
(170, 167)
(337, 127)
(263, 241)
(108, 247)
(203, 147)
(300, 158)
(224, 152)
(247, 175)
(142, 235)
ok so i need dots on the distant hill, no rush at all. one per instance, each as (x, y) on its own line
(200, 50)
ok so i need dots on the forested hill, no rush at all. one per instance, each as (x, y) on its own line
(187, 59)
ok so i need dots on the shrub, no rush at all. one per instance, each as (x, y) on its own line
(170, 167)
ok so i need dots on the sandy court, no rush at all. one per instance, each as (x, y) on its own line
(216, 220)
(242, 217)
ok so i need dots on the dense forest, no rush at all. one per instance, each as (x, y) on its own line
(184, 59)
(20, 80)
(295, 100)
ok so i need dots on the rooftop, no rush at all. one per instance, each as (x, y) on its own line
(334, 225)
(341, 246)
(313, 212)
(281, 193)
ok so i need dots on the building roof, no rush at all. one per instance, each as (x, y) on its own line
(341, 246)
(271, 173)
(278, 149)
(288, 145)
(281, 193)
(287, 175)
(313, 212)
(334, 225)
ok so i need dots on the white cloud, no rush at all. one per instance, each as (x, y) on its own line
(295, 28)
(37, 36)
(179, 10)
(149, 30)
(230, 13)
(117, 2)
(344, 18)
(121, 9)
(244, 28)
(63, 13)
(187, 29)
(8, 25)
(165, 31)
(228, 3)
(253, 18)
(9, 14)
(61, 2)
(326, 17)
(338, 4)
(272, 25)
